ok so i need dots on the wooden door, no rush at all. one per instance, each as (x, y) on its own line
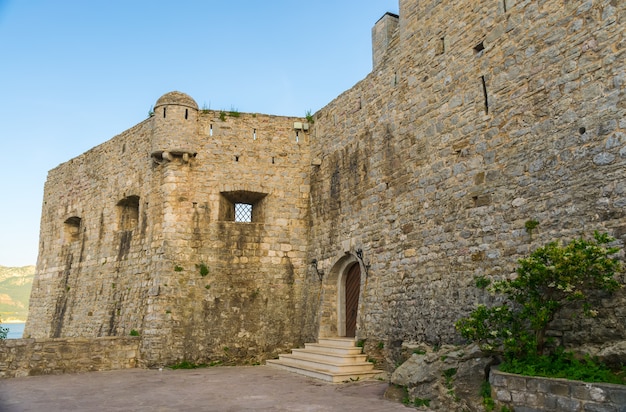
(353, 288)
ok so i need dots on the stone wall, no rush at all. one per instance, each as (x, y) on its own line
(526, 393)
(29, 357)
(139, 234)
(480, 117)
(477, 117)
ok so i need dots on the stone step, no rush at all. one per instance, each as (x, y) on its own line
(325, 375)
(330, 357)
(339, 350)
(305, 363)
(342, 342)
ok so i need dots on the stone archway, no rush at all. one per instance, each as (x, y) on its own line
(336, 318)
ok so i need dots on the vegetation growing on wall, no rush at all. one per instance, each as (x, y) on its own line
(552, 278)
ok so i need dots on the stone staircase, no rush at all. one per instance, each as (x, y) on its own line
(331, 359)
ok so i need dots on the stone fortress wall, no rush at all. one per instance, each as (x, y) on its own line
(139, 234)
(476, 118)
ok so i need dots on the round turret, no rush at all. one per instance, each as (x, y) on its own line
(175, 127)
(176, 99)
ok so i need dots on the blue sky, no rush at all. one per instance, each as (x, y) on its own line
(76, 73)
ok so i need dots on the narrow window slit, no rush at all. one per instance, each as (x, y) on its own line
(272, 159)
(479, 47)
(297, 136)
(482, 79)
(440, 48)
(254, 134)
(236, 158)
(210, 130)
(164, 109)
(186, 113)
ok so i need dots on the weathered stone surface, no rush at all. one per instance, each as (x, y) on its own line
(28, 357)
(612, 353)
(477, 117)
(530, 394)
(449, 378)
(418, 142)
(139, 233)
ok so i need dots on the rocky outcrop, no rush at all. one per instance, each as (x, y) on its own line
(447, 379)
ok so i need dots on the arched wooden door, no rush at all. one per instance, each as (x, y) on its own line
(353, 288)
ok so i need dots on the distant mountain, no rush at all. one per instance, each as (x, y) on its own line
(15, 285)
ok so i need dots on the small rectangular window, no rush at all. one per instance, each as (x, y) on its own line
(243, 212)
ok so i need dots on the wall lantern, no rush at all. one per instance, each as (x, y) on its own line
(320, 273)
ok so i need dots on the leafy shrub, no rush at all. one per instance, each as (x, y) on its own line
(551, 278)
(563, 364)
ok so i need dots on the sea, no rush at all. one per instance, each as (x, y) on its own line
(15, 330)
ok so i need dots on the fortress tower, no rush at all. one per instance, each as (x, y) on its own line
(175, 127)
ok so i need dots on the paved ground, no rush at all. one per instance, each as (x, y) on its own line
(223, 389)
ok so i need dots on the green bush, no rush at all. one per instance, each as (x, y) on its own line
(563, 364)
(551, 278)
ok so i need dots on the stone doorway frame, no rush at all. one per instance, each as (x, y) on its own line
(333, 305)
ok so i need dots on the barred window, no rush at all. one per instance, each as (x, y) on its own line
(243, 212)
(242, 206)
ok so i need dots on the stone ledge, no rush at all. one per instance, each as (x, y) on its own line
(27, 357)
(533, 393)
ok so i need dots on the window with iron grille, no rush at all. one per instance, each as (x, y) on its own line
(243, 212)
(242, 206)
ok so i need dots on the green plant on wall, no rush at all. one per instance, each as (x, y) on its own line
(233, 112)
(309, 117)
(203, 269)
(481, 282)
(530, 225)
(551, 278)
(222, 115)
